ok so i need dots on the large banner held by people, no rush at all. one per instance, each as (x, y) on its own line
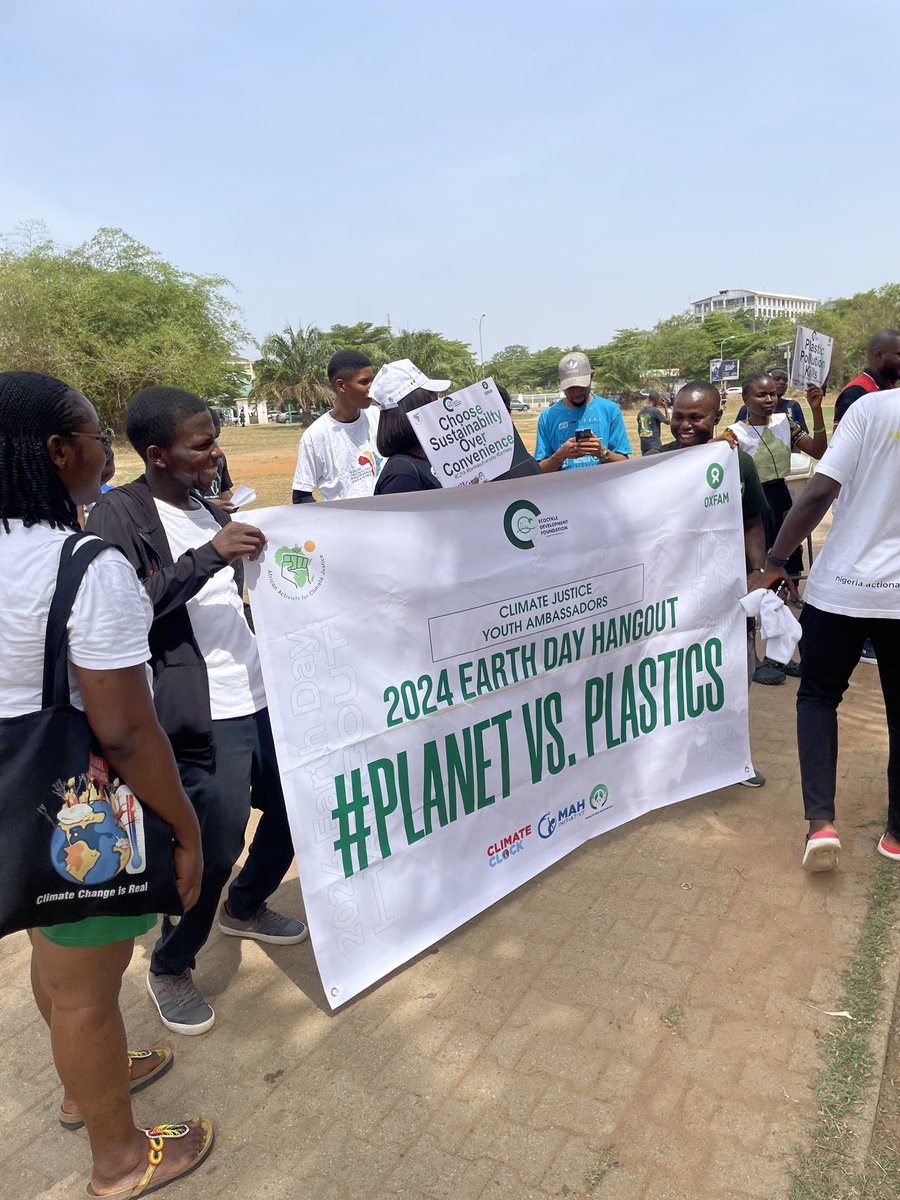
(467, 684)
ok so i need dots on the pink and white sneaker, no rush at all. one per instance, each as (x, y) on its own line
(822, 850)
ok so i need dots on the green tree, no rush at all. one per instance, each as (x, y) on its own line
(371, 340)
(437, 356)
(293, 369)
(112, 316)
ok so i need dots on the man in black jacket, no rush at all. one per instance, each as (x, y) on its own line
(207, 682)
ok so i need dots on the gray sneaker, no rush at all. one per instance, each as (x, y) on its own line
(265, 925)
(181, 1007)
(757, 780)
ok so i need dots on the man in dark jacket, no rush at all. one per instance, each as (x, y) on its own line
(208, 686)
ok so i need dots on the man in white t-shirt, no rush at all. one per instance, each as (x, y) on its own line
(852, 593)
(208, 687)
(337, 453)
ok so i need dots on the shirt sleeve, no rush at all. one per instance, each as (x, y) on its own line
(844, 401)
(796, 432)
(742, 413)
(306, 474)
(543, 449)
(841, 459)
(618, 437)
(111, 616)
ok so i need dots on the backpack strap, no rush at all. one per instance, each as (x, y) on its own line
(72, 568)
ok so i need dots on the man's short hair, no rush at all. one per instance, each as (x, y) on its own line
(346, 363)
(773, 371)
(883, 340)
(701, 385)
(154, 414)
(749, 380)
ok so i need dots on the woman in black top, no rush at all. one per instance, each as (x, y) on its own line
(406, 468)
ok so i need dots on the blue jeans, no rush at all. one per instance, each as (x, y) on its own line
(245, 774)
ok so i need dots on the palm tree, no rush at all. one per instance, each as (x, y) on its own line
(437, 356)
(293, 368)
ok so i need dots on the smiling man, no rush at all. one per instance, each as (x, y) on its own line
(207, 683)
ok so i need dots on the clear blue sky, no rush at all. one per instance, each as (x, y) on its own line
(566, 168)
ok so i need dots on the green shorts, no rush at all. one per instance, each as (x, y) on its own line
(98, 931)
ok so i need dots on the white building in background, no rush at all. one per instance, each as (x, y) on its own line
(761, 304)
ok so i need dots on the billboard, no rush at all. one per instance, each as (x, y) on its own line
(721, 369)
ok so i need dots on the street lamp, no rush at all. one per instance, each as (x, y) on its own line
(480, 346)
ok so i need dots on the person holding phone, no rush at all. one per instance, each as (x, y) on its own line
(581, 430)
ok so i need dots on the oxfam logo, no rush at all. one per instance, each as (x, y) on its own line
(599, 797)
(520, 523)
(714, 475)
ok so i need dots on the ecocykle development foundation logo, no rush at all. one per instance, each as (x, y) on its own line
(301, 571)
(520, 524)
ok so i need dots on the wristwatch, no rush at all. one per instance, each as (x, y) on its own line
(604, 455)
(781, 563)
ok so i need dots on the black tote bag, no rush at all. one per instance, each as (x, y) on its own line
(75, 841)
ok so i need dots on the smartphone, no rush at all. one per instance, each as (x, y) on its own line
(581, 434)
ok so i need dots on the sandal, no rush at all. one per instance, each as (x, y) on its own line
(157, 1136)
(766, 673)
(74, 1120)
(822, 851)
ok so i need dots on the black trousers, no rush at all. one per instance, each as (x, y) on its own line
(778, 497)
(829, 650)
(245, 774)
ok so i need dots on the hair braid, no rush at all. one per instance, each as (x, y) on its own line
(32, 408)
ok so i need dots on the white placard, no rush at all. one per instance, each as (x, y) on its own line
(467, 436)
(466, 685)
(812, 358)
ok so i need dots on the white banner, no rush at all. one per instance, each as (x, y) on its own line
(812, 358)
(465, 685)
(467, 436)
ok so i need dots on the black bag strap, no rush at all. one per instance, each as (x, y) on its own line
(72, 568)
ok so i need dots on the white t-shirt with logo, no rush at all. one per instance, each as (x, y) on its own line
(108, 625)
(217, 619)
(857, 571)
(339, 458)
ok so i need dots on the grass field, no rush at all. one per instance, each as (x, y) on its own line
(263, 456)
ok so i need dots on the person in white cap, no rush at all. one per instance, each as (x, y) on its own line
(581, 430)
(398, 388)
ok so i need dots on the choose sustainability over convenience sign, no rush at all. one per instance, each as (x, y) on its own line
(465, 685)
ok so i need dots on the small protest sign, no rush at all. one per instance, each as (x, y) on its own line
(466, 436)
(812, 358)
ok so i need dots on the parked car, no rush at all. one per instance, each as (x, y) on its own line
(290, 418)
(519, 406)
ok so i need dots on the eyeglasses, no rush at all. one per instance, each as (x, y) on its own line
(105, 436)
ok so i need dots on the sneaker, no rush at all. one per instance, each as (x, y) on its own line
(180, 1006)
(766, 673)
(868, 653)
(265, 925)
(887, 851)
(822, 850)
(757, 780)
(791, 668)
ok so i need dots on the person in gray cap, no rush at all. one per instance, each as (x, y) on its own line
(581, 430)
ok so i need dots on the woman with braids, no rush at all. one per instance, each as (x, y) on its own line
(52, 453)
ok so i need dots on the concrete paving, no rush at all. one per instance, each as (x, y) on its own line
(530, 1046)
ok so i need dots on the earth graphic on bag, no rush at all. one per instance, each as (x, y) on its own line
(89, 846)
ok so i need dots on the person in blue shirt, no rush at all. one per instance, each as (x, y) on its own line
(581, 430)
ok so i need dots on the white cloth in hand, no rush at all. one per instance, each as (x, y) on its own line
(778, 626)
